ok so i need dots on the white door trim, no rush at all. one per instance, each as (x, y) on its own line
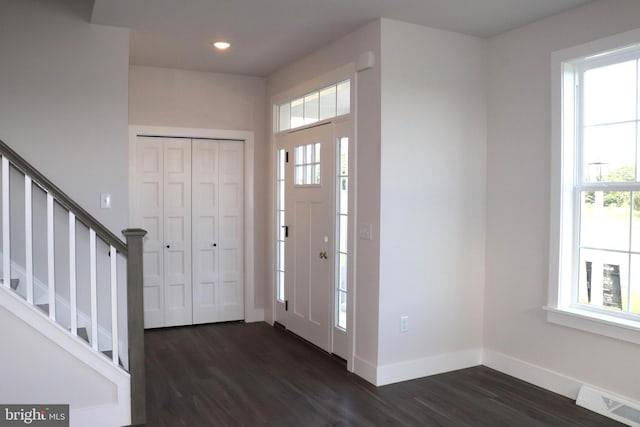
(251, 313)
(347, 71)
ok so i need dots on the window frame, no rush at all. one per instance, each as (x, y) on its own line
(567, 181)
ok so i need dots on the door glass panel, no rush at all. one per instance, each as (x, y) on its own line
(280, 230)
(285, 116)
(311, 108)
(328, 103)
(297, 112)
(344, 97)
(342, 232)
(307, 164)
(342, 310)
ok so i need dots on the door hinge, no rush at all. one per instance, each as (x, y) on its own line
(286, 230)
(286, 305)
(286, 157)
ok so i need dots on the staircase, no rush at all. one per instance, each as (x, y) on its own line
(74, 288)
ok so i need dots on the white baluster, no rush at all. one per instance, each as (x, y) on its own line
(51, 272)
(94, 289)
(6, 225)
(114, 305)
(28, 236)
(72, 274)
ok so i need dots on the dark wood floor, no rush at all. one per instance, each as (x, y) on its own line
(240, 374)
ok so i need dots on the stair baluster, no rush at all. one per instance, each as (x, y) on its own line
(51, 265)
(28, 236)
(35, 224)
(6, 224)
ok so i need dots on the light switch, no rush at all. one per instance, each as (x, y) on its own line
(365, 232)
(105, 201)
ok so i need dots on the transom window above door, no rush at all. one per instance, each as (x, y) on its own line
(307, 164)
(326, 103)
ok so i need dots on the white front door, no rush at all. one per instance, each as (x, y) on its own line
(310, 241)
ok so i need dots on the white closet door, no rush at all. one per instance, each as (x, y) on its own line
(150, 216)
(231, 243)
(177, 231)
(205, 166)
(218, 224)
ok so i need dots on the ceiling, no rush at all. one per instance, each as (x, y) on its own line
(268, 34)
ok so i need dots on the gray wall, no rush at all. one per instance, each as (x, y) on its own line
(63, 100)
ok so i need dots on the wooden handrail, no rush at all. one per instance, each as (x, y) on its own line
(67, 202)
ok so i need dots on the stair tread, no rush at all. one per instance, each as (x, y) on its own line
(82, 333)
(109, 354)
(13, 283)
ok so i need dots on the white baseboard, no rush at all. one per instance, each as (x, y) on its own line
(365, 369)
(255, 315)
(418, 368)
(537, 375)
(101, 416)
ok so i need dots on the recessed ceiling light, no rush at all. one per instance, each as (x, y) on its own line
(221, 45)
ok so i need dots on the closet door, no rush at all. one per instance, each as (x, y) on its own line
(163, 206)
(206, 294)
(177, 231)
(150, 216)
(218, 224)
(232, 231)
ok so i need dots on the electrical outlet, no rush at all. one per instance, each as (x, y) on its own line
(404, 323)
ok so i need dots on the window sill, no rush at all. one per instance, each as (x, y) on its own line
(597, 323)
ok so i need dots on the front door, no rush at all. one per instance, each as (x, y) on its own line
(310, 236)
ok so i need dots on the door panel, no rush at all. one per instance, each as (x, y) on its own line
(190, 200)
(309, 247)
(206, 298)
(232, 231)
(218, 214)
(177, 231)
(150, 199)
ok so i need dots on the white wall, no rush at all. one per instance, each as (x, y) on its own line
(432, 199)
(63, 100)
(39, 370)
(518, 209)
(194, 99)
(331, 57)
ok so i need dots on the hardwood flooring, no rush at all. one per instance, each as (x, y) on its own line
(238, 374)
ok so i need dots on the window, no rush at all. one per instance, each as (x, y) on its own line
(307, 164)
(326, 103)
(342, 232)
(280, 227)
(595, 233)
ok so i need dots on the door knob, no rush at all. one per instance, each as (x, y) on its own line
(168, 246)
(323, 255)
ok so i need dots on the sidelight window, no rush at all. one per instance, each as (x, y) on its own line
(342, 231)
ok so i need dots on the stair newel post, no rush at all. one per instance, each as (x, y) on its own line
(135, 317)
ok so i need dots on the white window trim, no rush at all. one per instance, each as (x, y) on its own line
(560, 308)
